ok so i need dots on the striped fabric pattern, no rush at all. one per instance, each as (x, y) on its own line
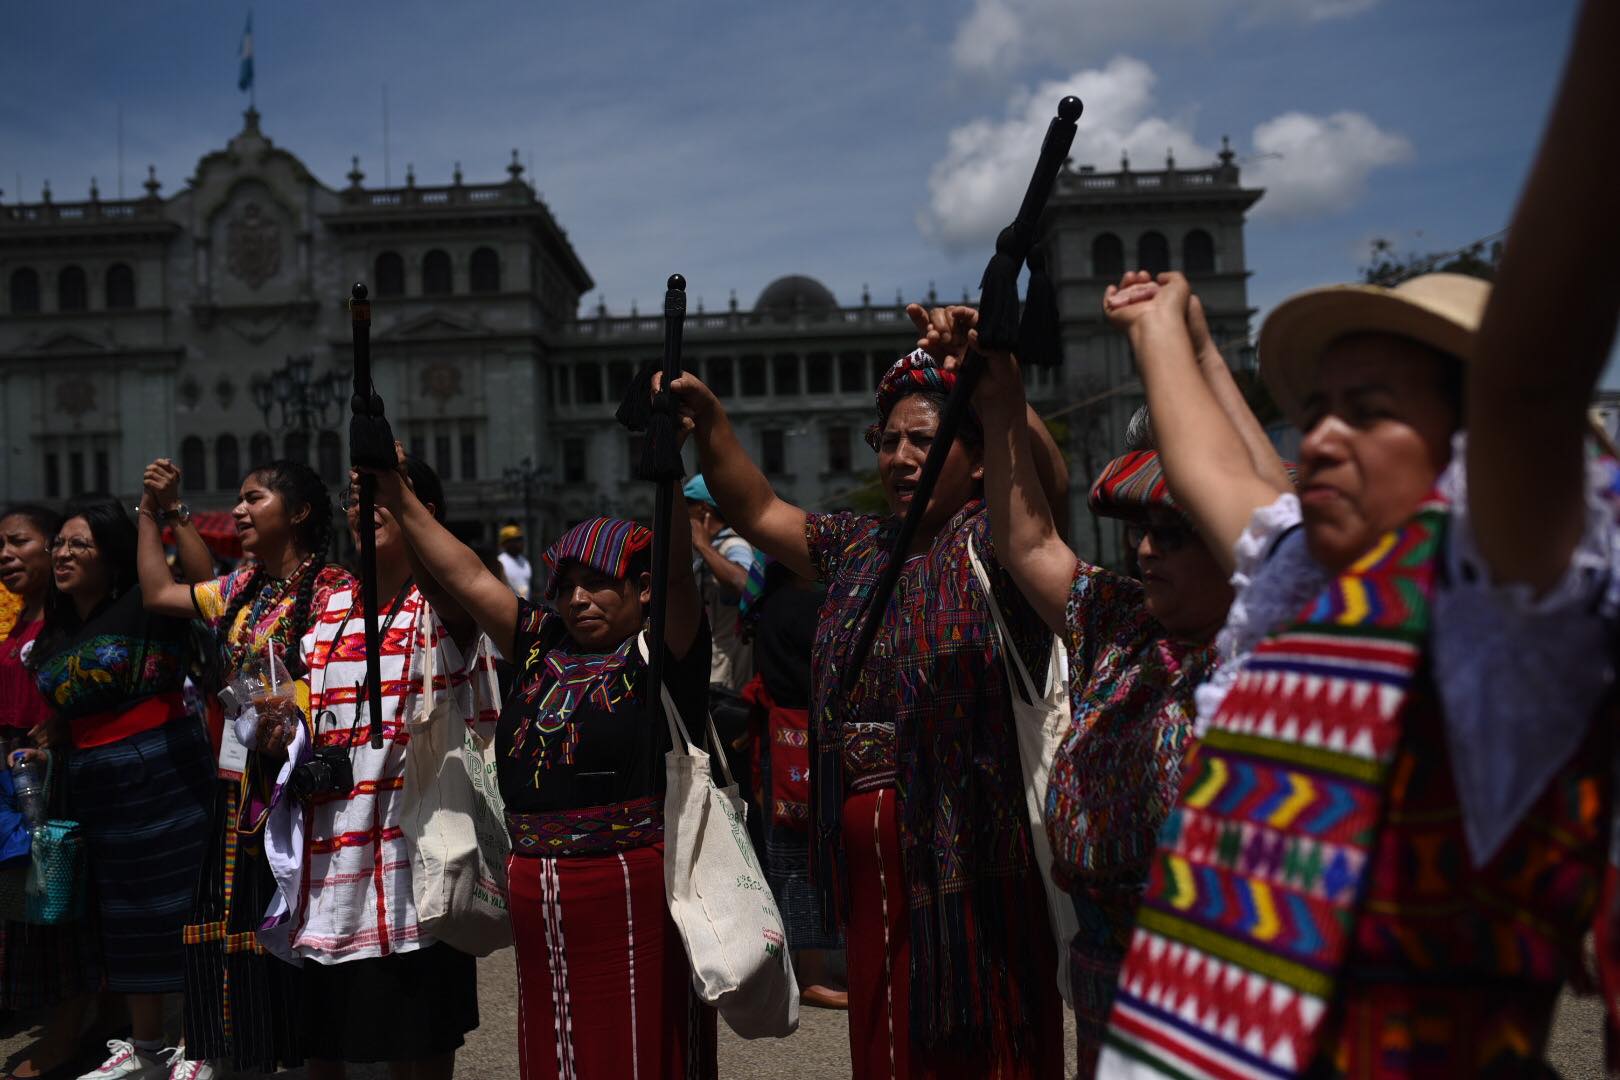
(1130, 484)
(602, 543)
(1251, 905)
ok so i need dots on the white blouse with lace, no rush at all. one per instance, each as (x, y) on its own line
(1519, 676)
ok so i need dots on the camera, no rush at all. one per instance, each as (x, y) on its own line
(329, 772)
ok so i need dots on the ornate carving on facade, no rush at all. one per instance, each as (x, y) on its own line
(225, 392)
(75, 397)
(253, 246)
(441, 381)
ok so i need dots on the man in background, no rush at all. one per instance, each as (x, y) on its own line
(721, 565)
(514, 564)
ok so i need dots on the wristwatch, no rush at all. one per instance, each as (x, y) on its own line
(180, 515)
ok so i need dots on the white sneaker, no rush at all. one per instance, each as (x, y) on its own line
(182, 1068)
(127, 1062)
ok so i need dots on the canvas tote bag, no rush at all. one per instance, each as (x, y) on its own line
(453, 821)
(718, 898)
(1040, 721)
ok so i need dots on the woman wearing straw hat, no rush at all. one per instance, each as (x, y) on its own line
(604, 985)
(1388, 844)
(919, 829)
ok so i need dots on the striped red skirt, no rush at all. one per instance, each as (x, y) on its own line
(604, 987)
(879, 944)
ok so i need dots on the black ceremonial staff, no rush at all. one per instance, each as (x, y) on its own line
(371, 446)
(1000, 328)
(660, 463)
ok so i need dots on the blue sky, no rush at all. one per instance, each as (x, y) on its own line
(872, 143)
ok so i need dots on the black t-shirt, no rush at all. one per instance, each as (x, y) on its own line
(596, 756)
(783, 638)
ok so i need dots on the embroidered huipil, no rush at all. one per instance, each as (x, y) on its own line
(1389, 846)
(930, 716)
(355, 894)
(1116, 774)
(120, 657)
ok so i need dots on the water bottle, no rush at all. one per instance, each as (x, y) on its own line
(28, 779)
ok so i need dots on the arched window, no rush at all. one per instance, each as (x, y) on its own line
(389, 274)
(72, 290)
(296, 447)
(329, 457)
(261, 451)
(1153, 253)
(193, 464)
(435, 273)
(227, 463)
(24, 291)
(1198, 253)
(485, 273)
(1107, 256)
(120, 286)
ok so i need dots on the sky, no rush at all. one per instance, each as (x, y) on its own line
(877, 144)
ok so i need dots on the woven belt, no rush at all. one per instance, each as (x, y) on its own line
(594, 830)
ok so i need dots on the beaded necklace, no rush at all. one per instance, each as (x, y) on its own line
(245, 640)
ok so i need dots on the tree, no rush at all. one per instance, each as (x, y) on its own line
(1389, 268)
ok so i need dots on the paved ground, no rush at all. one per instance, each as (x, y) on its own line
(819, 1051)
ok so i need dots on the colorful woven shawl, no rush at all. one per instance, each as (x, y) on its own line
(1252, 899)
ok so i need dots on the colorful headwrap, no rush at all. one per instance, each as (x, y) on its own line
(913, 373)
(1130, 484)
(603, 543)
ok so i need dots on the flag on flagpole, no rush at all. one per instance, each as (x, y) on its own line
(244, 78)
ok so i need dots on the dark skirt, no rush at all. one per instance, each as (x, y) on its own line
(41, 966)
(142, 803)
(787, 871)
(242, 1004)
(406, 1006)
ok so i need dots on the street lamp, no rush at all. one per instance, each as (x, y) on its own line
(304, 400)
(525, 481)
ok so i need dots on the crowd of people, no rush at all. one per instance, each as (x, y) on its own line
(1333, 795)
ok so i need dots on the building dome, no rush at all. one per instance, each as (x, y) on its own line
(793, 293)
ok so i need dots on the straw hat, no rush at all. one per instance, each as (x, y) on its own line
(1442, 311)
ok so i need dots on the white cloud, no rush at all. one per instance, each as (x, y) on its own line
(1314, 165)
(1003, 35)
(975, 188)
(1309, 165)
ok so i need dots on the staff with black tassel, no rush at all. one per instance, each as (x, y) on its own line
(1032, 337)
(371, 447)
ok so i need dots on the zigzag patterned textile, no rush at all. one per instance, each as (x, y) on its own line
(1252, 897)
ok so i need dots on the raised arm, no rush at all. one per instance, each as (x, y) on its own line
(162, 484)
(1549, 326)
(744, 495)
(1206, 461)
(685, 608)
(456, 572)
(1021, 521)
(1268, 464)
(946, 334)
(160, 593)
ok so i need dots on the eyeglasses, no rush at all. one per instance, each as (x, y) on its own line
(73, 546)
(349, 499)
(1167, 538)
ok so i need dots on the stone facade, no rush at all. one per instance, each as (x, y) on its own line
(137, 329)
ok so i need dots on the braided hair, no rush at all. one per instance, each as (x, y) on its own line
(300, 487)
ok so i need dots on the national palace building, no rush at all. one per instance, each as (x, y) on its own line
(209, 325)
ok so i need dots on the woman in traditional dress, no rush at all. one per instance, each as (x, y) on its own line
(56, 966)
(920, 834)
(1137, 650)
(604, 985)
(241, 1003)
(139, 775)
(375, 986)
(1386, 852)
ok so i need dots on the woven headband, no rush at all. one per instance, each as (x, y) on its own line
(604, 544)
(916, 372)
